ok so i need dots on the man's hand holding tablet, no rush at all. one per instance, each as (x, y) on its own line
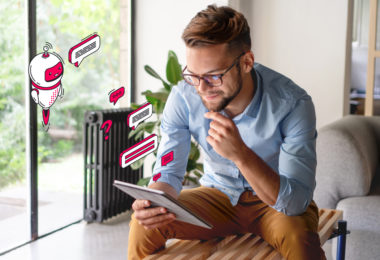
(159, 205)
(154, 217)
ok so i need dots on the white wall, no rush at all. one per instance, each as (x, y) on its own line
(307, 41)
(159, 26)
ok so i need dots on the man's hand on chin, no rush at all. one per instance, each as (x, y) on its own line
(224, 136)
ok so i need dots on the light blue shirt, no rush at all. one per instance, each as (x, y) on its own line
(278, 125)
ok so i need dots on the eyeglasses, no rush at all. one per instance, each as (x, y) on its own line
(211, 80)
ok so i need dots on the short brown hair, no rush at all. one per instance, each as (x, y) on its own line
(218, 25)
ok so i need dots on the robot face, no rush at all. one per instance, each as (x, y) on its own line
(54, 72)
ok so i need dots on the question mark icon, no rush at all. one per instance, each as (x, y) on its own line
(109, 122)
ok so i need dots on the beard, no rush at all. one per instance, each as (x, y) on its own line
(225, 100)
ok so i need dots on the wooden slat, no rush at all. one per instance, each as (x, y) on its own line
(324, 218)
(228, 252)
(328, 228)
(263, 252)
(239, 247)
(244, 247)
(256, 250)
(172, 250)
(274, 255)
(255, 246)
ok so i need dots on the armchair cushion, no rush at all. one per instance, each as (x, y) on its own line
(361, 213)
(347, 158)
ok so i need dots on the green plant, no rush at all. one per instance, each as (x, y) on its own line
(158, 99)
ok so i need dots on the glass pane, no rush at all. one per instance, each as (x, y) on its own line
(13, 187)
(64, 24)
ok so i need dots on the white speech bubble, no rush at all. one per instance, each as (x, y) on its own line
(139, 115)
(138, 151)
(83, 49)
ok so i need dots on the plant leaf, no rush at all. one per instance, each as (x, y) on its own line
(139, 135)
(173, 69)
(140, 127)
(194, 152)
(137, 164)
(192, 179)
(167, 86)
(161, 96)
(197, 173)
(135, 106)
(199, 166)
(150, 99)
(152, 72)
(190, 165)
(143, 181)
(149, 127)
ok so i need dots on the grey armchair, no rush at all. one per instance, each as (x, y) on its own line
(348, 179)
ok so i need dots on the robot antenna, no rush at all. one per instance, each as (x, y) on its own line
(48, 44)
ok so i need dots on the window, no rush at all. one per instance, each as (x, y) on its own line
(60, 25)
(359, 58)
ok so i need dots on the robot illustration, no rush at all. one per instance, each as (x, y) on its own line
(45, 72)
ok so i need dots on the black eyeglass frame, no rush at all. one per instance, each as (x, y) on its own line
(205, 76)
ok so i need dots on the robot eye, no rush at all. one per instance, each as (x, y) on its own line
(59, 67)
(49, 73)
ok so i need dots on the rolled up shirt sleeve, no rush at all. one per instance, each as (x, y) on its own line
(297, 159)
(175, 137)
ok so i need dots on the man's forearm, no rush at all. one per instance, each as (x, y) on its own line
(264, 181)
(164, 187)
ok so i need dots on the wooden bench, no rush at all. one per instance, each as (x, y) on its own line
(238, 247)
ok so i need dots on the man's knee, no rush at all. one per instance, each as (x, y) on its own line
(143, 242)
(298, 242)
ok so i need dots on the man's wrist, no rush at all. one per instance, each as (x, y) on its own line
(244, 155)
(163, 186)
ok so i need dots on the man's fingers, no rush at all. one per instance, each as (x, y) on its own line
(214, 134)
(156, 225)
(149, 213)
(158, 219)
(211, 141)
(219, 128)
(140, 204)
(218, 117)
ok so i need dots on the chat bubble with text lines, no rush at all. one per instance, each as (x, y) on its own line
(138, 151)
(83, 49)
(139, 115)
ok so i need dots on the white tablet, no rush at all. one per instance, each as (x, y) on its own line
(161, 199)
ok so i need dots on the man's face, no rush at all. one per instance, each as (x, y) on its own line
(214, 60)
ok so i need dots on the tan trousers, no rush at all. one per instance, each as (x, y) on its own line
(295, 237)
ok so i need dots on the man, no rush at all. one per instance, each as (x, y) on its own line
(257, 130)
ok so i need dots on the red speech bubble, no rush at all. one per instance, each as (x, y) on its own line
(116, 95)
(167, 158)
(156, 176)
